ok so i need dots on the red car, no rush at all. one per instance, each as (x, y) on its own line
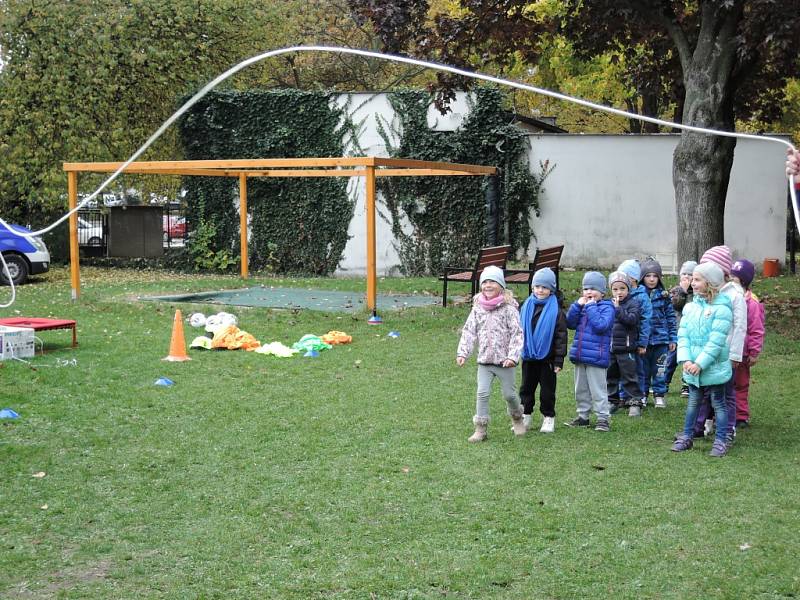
(175, 228)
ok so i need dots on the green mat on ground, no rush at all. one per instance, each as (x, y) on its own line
(295, 298)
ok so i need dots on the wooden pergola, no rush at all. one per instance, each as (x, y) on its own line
(369, 167)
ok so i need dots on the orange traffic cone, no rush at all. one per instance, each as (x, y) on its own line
(177, 346)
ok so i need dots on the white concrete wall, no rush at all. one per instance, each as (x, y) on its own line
(610, 197)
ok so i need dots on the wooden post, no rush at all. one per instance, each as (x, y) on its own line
(372, 280)
(243, 222)
(74, 263)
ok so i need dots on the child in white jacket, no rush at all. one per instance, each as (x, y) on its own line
(494, 324)
(722, 256)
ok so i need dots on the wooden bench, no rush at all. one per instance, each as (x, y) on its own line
(495, 255)
(545, 257)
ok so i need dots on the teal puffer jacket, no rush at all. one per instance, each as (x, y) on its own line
(702, 339)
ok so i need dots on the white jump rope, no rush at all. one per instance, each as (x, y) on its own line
(400, 59)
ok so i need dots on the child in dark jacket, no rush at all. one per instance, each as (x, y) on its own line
(624, 341)
(663, 334)
(592, 318)
(680, 295)
(633, 270)
(545, 330)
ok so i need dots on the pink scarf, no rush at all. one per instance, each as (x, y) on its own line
(487, 304)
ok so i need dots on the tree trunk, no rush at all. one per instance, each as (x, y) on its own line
(702, 163)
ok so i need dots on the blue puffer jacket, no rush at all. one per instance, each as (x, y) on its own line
(663, 324)
(703, 339)
(640, 294)
(592, 324)
(625, 333)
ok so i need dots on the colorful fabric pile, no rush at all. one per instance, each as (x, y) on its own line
(337, 337)
(231, 337)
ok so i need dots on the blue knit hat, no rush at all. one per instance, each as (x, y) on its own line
(631, 268)
(495, 274)
(545, 278)
(594, 281)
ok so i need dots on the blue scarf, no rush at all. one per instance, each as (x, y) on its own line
(539, 341)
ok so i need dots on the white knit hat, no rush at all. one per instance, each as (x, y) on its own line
(495, 274)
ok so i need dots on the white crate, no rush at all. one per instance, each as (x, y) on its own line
(16, 342)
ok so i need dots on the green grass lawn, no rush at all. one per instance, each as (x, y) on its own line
(349, 475)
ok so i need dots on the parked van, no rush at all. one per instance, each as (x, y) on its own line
(24, 255)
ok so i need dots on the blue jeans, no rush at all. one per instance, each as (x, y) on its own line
(717, 395)
(653, 369)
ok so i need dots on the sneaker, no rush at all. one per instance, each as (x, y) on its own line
(644, 402)
(578, 422)
(719, 449)
(526, 420)
(660, 402)
(708, 428)
(682, 442)
(634, 411)
(602, 425)
(742, 423)
(684, 391)
(548, 425)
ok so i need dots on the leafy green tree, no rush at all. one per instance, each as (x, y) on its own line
(88, 81)
(709, 62)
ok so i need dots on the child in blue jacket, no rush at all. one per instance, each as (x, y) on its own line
(592, 318)
(663, 334)
(704, 352)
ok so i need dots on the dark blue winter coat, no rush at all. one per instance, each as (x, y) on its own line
(663, 325)
(592, 323)
(641, 296)
(625, 334)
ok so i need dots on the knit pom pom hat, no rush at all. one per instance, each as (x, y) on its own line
(494, 274)
(650, 266)
(721, 255)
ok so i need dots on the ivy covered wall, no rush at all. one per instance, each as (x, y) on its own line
(298, 225)
(441, 221)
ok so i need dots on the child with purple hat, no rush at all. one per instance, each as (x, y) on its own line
(743, 272)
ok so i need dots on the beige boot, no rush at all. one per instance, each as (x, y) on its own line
(518, 424)
(481, 423)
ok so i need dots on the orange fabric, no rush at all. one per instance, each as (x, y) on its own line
(337, 337)
(233, 338)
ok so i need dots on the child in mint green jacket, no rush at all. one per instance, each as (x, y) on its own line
(703, 351)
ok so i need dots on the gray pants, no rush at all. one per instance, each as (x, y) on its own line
(591, 392)
(486, 374)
